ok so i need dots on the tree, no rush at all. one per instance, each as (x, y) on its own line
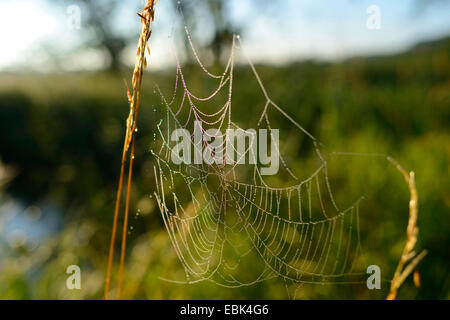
(219, 13)
(100, 21)
(98, 18)
(223, 29)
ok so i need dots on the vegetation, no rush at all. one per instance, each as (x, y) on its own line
(61, 135)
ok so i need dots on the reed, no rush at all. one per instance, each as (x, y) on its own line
(409, 259)
(147, 16)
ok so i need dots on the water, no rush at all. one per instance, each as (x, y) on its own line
(27, 226)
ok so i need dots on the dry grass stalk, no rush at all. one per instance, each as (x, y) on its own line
(147, 17)
(404, 269)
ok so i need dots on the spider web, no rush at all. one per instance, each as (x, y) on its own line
(223, 219)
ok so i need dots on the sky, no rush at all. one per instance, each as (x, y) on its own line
(282, 32)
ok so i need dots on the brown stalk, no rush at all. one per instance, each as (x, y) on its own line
(404, 269)
(147, 17)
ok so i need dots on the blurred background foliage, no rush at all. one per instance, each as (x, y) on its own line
(60, 146)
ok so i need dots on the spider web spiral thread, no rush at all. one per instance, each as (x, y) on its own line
(296, 233)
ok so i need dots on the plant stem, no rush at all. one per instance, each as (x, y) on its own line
(147, 17)
(402, 271)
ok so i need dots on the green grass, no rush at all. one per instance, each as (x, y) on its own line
(63, 135)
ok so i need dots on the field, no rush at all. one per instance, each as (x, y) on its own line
(61, 137)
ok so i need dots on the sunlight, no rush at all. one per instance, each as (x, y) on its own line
(30, 24)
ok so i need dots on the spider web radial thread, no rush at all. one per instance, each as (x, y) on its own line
(296, 233)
